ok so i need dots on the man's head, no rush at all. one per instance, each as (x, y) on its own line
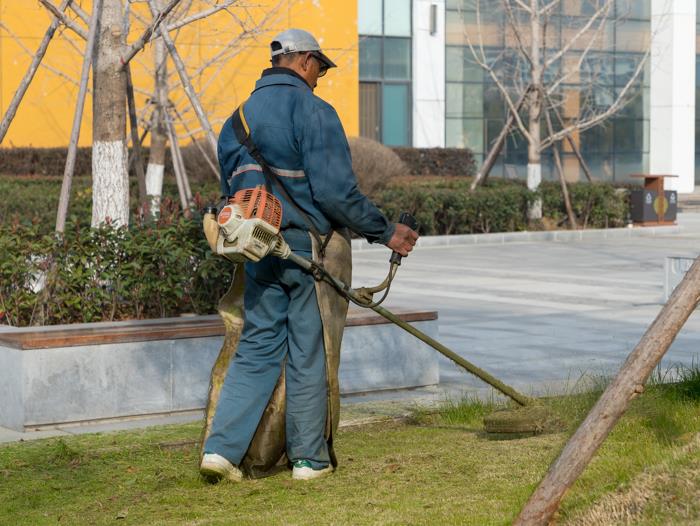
(299, 51)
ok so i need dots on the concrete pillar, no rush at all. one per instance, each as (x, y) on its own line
(672, 125)
(428, 73)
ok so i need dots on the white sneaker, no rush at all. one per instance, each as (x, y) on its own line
(218, 467)
(302, 470)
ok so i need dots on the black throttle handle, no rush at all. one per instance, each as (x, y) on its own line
(410, 221)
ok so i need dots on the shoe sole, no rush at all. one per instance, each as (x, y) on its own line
(219, 471)
(310, 474)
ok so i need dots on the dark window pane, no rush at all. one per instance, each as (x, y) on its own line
(395, 123)
(628, 135)
(628, 164)
(625, 68)
(370, 58)
(640, 9)
(597, 139)
(397, 58)
(370, 110)
(493, 103)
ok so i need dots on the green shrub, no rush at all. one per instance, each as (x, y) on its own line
(596, 205)
(446, 206)
(146, 271)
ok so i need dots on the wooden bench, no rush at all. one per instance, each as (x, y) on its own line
(91, 372)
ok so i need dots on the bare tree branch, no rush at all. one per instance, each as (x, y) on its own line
(522, 5)
(80, 12)
(77, 120)
(516, 30)
(48, 67)
(201, 15)
(29, 75)
(480, 59)
(619, 103)
(603, 11)
(146, 35)
(60, 15)
(187, 83)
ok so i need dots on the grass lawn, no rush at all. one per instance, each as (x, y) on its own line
(439, 468)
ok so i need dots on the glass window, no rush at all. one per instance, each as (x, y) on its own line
(597, 139)
(369, 17)
(629, 135)
(370, 57)
(465, 133)
(640, 9)
(397, 18)
(370, 108)
(395, 115)
(397, 58)
(625, 67)
(632, 35)
(493, 103)
(460, 65)
(465, 100)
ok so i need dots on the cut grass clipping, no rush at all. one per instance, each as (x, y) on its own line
(439, 468)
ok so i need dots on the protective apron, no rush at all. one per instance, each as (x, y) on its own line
(266, 454)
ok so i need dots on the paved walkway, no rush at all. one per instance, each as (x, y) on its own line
(537, 314)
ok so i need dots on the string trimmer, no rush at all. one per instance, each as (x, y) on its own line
(247, 228)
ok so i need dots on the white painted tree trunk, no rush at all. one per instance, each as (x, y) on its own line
(534, 166)
(156, 157)
(110, 178)
(110, 183)
(154, 186)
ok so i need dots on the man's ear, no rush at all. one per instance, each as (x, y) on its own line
(306, 59)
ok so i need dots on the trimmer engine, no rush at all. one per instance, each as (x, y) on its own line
(249, 226)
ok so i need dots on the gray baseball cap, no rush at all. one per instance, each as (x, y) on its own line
(298, 41)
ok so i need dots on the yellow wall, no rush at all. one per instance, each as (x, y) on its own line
(46, 114)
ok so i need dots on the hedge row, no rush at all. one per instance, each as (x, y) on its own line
(447, 207)
(165, 269)
(107, 274)
(438, 161)
(51, 161)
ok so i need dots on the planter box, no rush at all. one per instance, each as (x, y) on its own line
(65, 374)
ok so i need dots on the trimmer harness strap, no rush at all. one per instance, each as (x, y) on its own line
(242, 131)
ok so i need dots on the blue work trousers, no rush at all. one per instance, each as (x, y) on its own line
(282, 320)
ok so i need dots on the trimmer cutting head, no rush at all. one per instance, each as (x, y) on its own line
(531, 419)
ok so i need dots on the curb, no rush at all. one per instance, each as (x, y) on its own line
(565, 236)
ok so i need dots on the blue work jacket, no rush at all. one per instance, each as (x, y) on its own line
(300, 136)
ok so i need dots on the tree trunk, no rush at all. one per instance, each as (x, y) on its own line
(69, 168)
(534, 165)
(156, 159)
(628, 383)
(497, 146)
(110, 178)
(562, 179)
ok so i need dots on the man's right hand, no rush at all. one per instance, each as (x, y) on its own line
(403, 240)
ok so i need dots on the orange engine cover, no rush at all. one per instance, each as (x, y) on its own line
(258, 203)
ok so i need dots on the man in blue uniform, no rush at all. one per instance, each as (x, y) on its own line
(301, 138)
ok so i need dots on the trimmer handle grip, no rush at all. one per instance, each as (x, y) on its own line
(410, 221)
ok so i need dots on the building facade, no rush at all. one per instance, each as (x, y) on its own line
(408, 76)
(456, 103)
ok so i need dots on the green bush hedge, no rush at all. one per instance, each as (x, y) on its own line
(445, 206)
(108, 274)
(165, 269)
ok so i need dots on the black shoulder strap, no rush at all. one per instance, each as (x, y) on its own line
(242, 131)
